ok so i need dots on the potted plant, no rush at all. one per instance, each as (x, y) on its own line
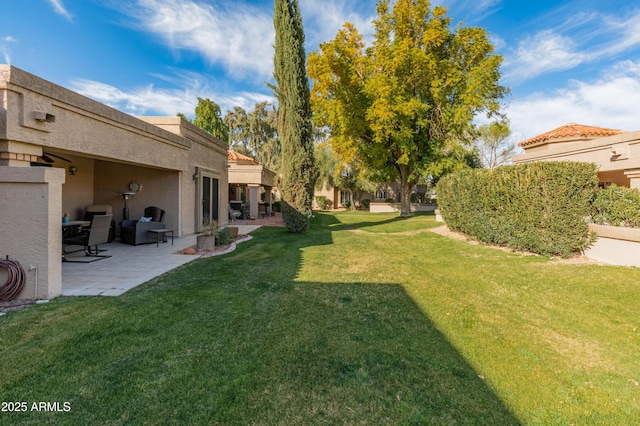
(206, 241)
(234, 230)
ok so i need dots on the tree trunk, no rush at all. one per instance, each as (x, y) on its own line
(405, 192)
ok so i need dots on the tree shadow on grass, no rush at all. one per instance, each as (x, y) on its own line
(239, 340)
(336, 225)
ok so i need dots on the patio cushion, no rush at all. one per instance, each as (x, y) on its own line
(135, 232)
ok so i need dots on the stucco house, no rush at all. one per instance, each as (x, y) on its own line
(617, 153)
(61, 151)
(385, 198)
(250, 183)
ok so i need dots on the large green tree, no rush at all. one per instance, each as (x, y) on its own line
(395, 104)
(293, 116)
(237, 121)
(264, 135)
(255, 134)
(208, 117)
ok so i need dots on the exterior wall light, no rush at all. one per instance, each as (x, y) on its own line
(43, 116)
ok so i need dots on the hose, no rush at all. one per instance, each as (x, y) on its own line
(15, 280)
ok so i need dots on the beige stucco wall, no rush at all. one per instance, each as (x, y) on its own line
(167, 155)
(30, 230)
(251, 174)
(598, 151)
(615, 245)
(160, 188)
(207, 155)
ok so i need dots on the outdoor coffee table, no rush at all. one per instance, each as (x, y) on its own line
(159, 233)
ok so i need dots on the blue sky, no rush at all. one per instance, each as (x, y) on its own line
(565, 61)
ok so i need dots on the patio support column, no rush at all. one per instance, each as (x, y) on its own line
(31, 226)
(253, 200)
(267, 199)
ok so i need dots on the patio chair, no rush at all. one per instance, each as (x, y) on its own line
(135, 232)
(97, 234)
(99, 209)
(234, 214)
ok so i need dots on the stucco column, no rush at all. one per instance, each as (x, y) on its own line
(31, 226)
(253, 200)
(267, 199)
(634, 177)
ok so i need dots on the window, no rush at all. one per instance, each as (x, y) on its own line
(381, 195)
(345, 197)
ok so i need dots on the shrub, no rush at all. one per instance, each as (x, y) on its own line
(295, 220)
(417, 197)
(224, 237)
(366, 203)
(616, 206)
(323, 203)
(539, 207)
(209, 228)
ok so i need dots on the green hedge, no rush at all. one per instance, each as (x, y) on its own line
(539, 207)
(323, 203)
(617, 206)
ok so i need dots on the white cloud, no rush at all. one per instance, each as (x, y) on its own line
(610, 102)
(323, 20)
(544, 52)
(240, 38)
(5, 49)
(627, 33)
(140, 101)
(60, 9)
(583, 37)
(150, 100)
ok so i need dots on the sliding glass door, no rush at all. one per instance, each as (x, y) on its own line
(210, 202)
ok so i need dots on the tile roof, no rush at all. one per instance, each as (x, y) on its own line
(236, 156)
(571, 130)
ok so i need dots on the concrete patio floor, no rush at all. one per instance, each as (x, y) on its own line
(128, 266)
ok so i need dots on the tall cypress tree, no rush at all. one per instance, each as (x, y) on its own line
(294, 117)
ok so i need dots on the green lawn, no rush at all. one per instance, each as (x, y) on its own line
(366, 319)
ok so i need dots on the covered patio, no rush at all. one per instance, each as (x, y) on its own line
(130, 266)
(61, 152)
(250, 186)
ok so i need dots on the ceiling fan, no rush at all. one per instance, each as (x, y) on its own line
(46, 156)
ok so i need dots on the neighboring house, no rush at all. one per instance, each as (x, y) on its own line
(616, 153)
(250, 183)
(339, 197)
(61, 151)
